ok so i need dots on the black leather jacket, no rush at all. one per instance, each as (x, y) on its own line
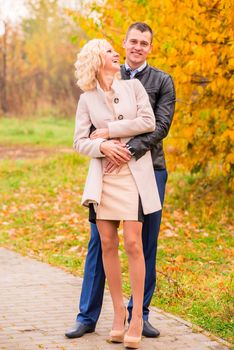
(160, 88)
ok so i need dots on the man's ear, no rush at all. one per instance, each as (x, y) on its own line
(123, 42)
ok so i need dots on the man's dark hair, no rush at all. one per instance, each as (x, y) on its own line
(142, 27)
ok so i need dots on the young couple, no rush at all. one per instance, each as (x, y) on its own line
(120, 124)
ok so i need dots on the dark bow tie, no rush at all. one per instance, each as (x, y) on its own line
(128, 72)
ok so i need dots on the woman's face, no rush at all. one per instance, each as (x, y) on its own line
(111, 60)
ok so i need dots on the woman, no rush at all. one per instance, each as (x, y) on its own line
(118, 109)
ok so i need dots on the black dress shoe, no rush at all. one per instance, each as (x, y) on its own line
(149, 331)
(79, 330)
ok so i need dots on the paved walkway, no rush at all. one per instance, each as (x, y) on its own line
(38, 303)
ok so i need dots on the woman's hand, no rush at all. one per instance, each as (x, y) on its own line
(115, 151)
(100, 133)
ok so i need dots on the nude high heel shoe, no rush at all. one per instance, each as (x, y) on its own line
(131, 342)
(117, 336)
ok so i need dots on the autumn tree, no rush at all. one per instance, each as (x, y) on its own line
(40, 60)
(3, 67)
(193, 41)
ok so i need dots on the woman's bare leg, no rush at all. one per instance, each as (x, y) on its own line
(136, 262)
(110, 243)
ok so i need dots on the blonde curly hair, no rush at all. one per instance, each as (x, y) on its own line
(89, 60)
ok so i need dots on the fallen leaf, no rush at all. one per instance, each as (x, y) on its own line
(57, 239)
(180, 258)
(169, 233)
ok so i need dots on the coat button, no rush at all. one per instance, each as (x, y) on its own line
(116, 100)
(120, 117)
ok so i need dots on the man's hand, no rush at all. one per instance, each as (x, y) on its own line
(115, 151)
(100, 133)
(111, 167)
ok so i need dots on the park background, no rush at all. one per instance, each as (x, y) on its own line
(41, 178)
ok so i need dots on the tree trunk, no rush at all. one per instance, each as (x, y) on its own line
(4, 71)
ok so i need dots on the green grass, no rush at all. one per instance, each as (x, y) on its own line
(46, 132)
(41, 216)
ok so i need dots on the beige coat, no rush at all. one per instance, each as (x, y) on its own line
(129, 115)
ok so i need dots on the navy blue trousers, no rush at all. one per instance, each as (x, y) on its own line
(94, 276)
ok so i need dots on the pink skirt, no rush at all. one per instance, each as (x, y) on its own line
(120, 197)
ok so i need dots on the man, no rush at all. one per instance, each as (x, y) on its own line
(160, 88)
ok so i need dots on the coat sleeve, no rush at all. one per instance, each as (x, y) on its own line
(144, 121)
(82, 142)
(164, 112)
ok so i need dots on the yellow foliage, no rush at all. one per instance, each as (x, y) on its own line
(193, 42)
(39, 54)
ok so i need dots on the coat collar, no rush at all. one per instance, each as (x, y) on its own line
(126, 75)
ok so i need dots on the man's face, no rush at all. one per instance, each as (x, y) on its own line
(137, 46)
